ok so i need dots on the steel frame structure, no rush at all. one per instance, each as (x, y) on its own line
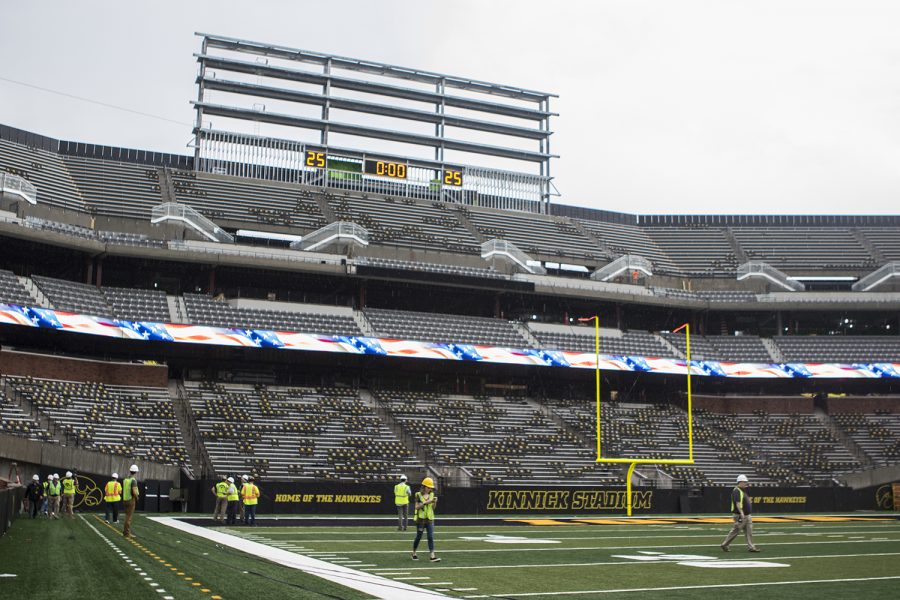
(268, 157)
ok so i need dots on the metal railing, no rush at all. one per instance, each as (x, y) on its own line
(13, 184)
(506, 250)
(770, 273)
(339, 232)
(626, 262)
(877, 277)
(182, 213)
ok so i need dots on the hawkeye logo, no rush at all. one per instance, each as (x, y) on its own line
(565, 500)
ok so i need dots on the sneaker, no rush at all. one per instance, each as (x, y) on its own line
(435, 559)
(754, 550)
(724, 548)
(415, 556)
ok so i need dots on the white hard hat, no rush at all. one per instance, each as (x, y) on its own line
(403, 478)
(50, 476)
(133, 469)
(245, 477)
(68, 473)
(743, 478)
(36, 477)
(56, 476)
(231, 480)
(115, 475)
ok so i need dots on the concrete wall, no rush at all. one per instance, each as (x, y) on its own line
(747, 404)
(863, 404)
(30, 455)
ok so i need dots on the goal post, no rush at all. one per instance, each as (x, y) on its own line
(634, 462)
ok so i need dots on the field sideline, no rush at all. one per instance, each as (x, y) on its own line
(822, 556)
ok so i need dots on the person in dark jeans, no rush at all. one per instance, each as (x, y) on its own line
(34, 493)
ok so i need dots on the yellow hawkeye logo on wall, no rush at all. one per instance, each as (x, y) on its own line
(566, 500)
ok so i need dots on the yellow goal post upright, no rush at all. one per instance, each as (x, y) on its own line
(634, 462)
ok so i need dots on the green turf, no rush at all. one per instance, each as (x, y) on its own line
(582, 561)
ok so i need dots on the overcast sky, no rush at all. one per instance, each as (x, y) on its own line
(665, 106)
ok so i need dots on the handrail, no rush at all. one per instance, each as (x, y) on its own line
(174, 211)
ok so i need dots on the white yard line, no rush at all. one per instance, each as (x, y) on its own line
(633, 563)
(693, 587)
(369, 583)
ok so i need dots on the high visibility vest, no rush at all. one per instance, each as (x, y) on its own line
(113, 491)
(232, 493)
(46, 487)
(127, 484)
(401, 494)
(741, 500)
(68, 486)
(249, 493)
(221, 489)
(53, 488)
(427, 510)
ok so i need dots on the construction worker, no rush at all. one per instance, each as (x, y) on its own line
(402, 492)
(54, 491)
(426, 500)
(34, 493)
(130, 495)
(233, 499)
(741, 509)
(68, 495)
(250, 496)
(112, 495)
(244, 480)
(45, 503)
(220, 490)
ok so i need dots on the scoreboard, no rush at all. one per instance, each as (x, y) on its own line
(318, 159)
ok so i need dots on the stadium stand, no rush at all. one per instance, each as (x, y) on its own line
(698, 251)
(738, 348)
(804, 249)
(115, 189)
(296, 433)
(202, 309)
(127, 421)
(877, 434)
(885, 241)
(424, 267)
(623, 238)
(12, 291)
(444, 328)
(46, 170)
(837, 348)
(496, 440)
(581, 339)
(15, 421)
(74, 297)
(138, 305)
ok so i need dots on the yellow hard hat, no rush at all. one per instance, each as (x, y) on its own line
(428, 482)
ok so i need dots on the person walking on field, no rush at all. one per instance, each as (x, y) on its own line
(54, 489)
(250, 496)
(221, 492)
(402, 492)
(34, 493)
(426, 501)
(112, 495)
(130, 495)
(68, 495)
(741, 509)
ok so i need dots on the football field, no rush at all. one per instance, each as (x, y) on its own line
(802, 557)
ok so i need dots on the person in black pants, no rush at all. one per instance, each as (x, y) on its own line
(35, 493)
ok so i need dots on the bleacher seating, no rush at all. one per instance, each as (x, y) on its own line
(204, 310)
(46, 171)
(296, 433)
(885, 240)
(582, 339)
(738, 348)
(15, 420)
(805, 249)
(74, 297)
(132, 422)
(435, 327)
(621, 238)
(12, 291)
(698, 251)
(138, 305)
(700, 347)
(408, 265)
(116, 189)
(497, 440)
(877, 435)
(840, 348)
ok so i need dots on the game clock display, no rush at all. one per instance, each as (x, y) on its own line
(384, 168)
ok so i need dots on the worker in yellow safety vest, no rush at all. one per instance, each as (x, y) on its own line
(54, 490)
(130, 495)
(220, 490)
(68, 495)
(402, 492)
(233, 498)
(741, 509)
(112, 495)
(426, 500)
(250, 497)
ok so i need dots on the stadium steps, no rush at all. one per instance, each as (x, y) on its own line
(551, 414)
(848, 442)
(201, 462)
(387, 417)
(166, 186)
(736, 247)
(610, 255)
(463, 217)
(29, 409)
(322, 203)
(773, 349)
(363, 323)
(671, 348)
(872, 248)
(177, 309)
(523, 330)
(35, 292)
